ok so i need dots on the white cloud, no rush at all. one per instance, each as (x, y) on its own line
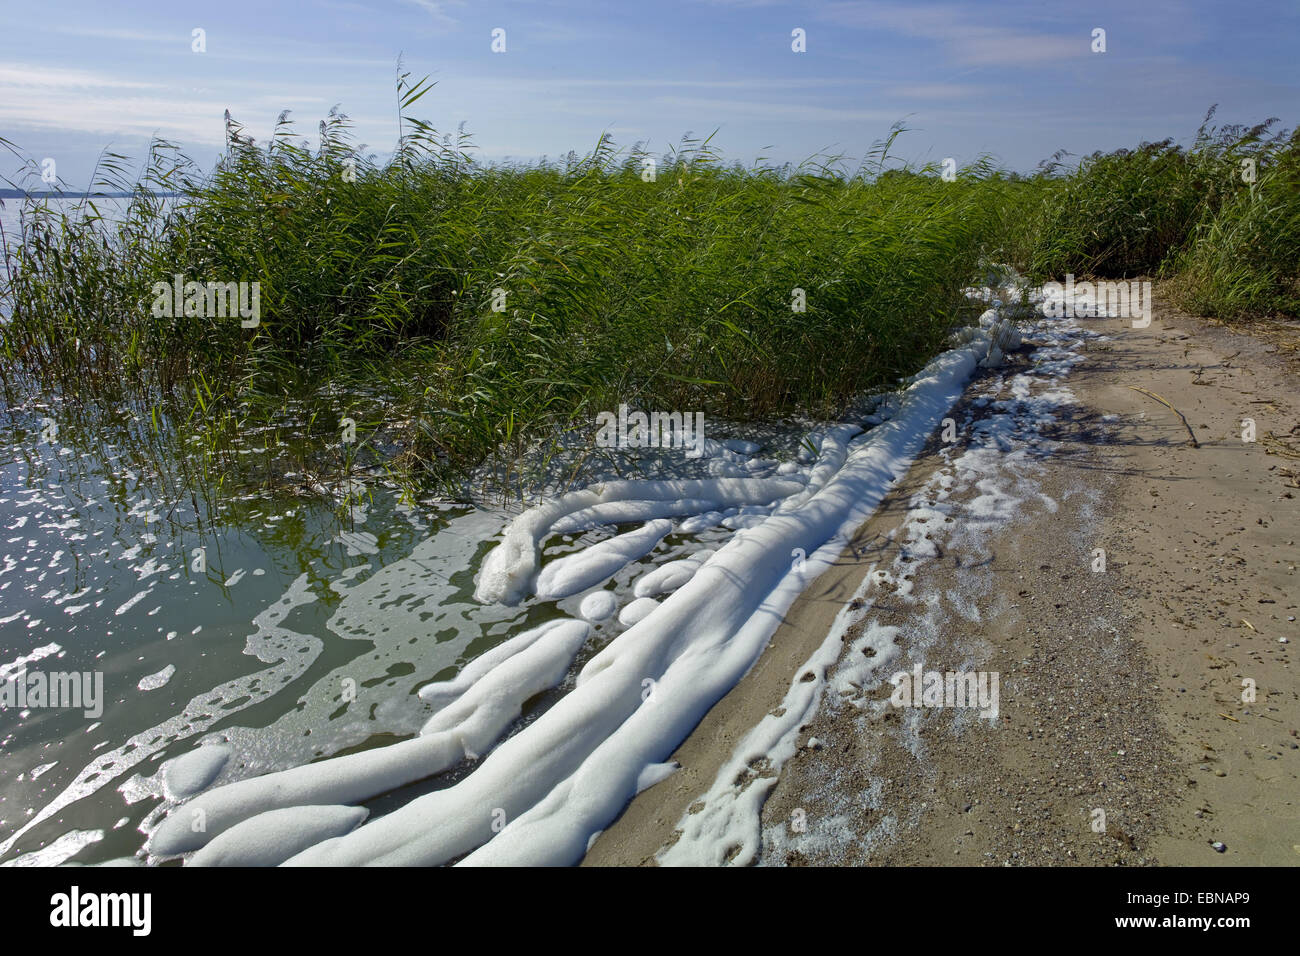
(25, 76)
(724, 109)
(969, 35)
(752, 83)
(190, 121)
(75, 100)
(438, 9)
(181, 38)
(935, 91)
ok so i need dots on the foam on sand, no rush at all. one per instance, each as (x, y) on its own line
(724, 826)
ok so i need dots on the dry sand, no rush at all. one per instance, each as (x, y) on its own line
(1121, 691)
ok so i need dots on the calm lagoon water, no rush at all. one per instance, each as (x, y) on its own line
(293, 603)
(296, 599)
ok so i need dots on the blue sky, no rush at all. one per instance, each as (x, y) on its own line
(1017, 80)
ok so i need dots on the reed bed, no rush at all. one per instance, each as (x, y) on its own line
(457, 310)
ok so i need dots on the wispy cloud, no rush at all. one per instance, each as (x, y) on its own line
(936, 91)
(36, 97)
(28, 77)
(195, 121)
(50, 98)
(742, 83)
(784, 111)
(180, 37)
(968, 36)
(438, 9)
(285, 51)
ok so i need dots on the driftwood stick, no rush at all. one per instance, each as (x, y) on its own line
(1165, 403)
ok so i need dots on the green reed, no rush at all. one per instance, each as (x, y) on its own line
(382, 284)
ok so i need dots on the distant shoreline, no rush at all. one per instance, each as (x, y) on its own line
(66, 194)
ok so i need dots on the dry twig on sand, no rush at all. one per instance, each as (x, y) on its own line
(1166, 404)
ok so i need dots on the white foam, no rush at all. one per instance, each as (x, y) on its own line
(290, 654)
(637, 610)
(463, 729)
(670, 576)
(189, 773)
(19, 664)
(507, 572)
(598, 606)
(701, 522)
(270, 838)
(155, 681)
(441, 693)
(627, 512)
(726, 829)
(577, 572)
(569, 773)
